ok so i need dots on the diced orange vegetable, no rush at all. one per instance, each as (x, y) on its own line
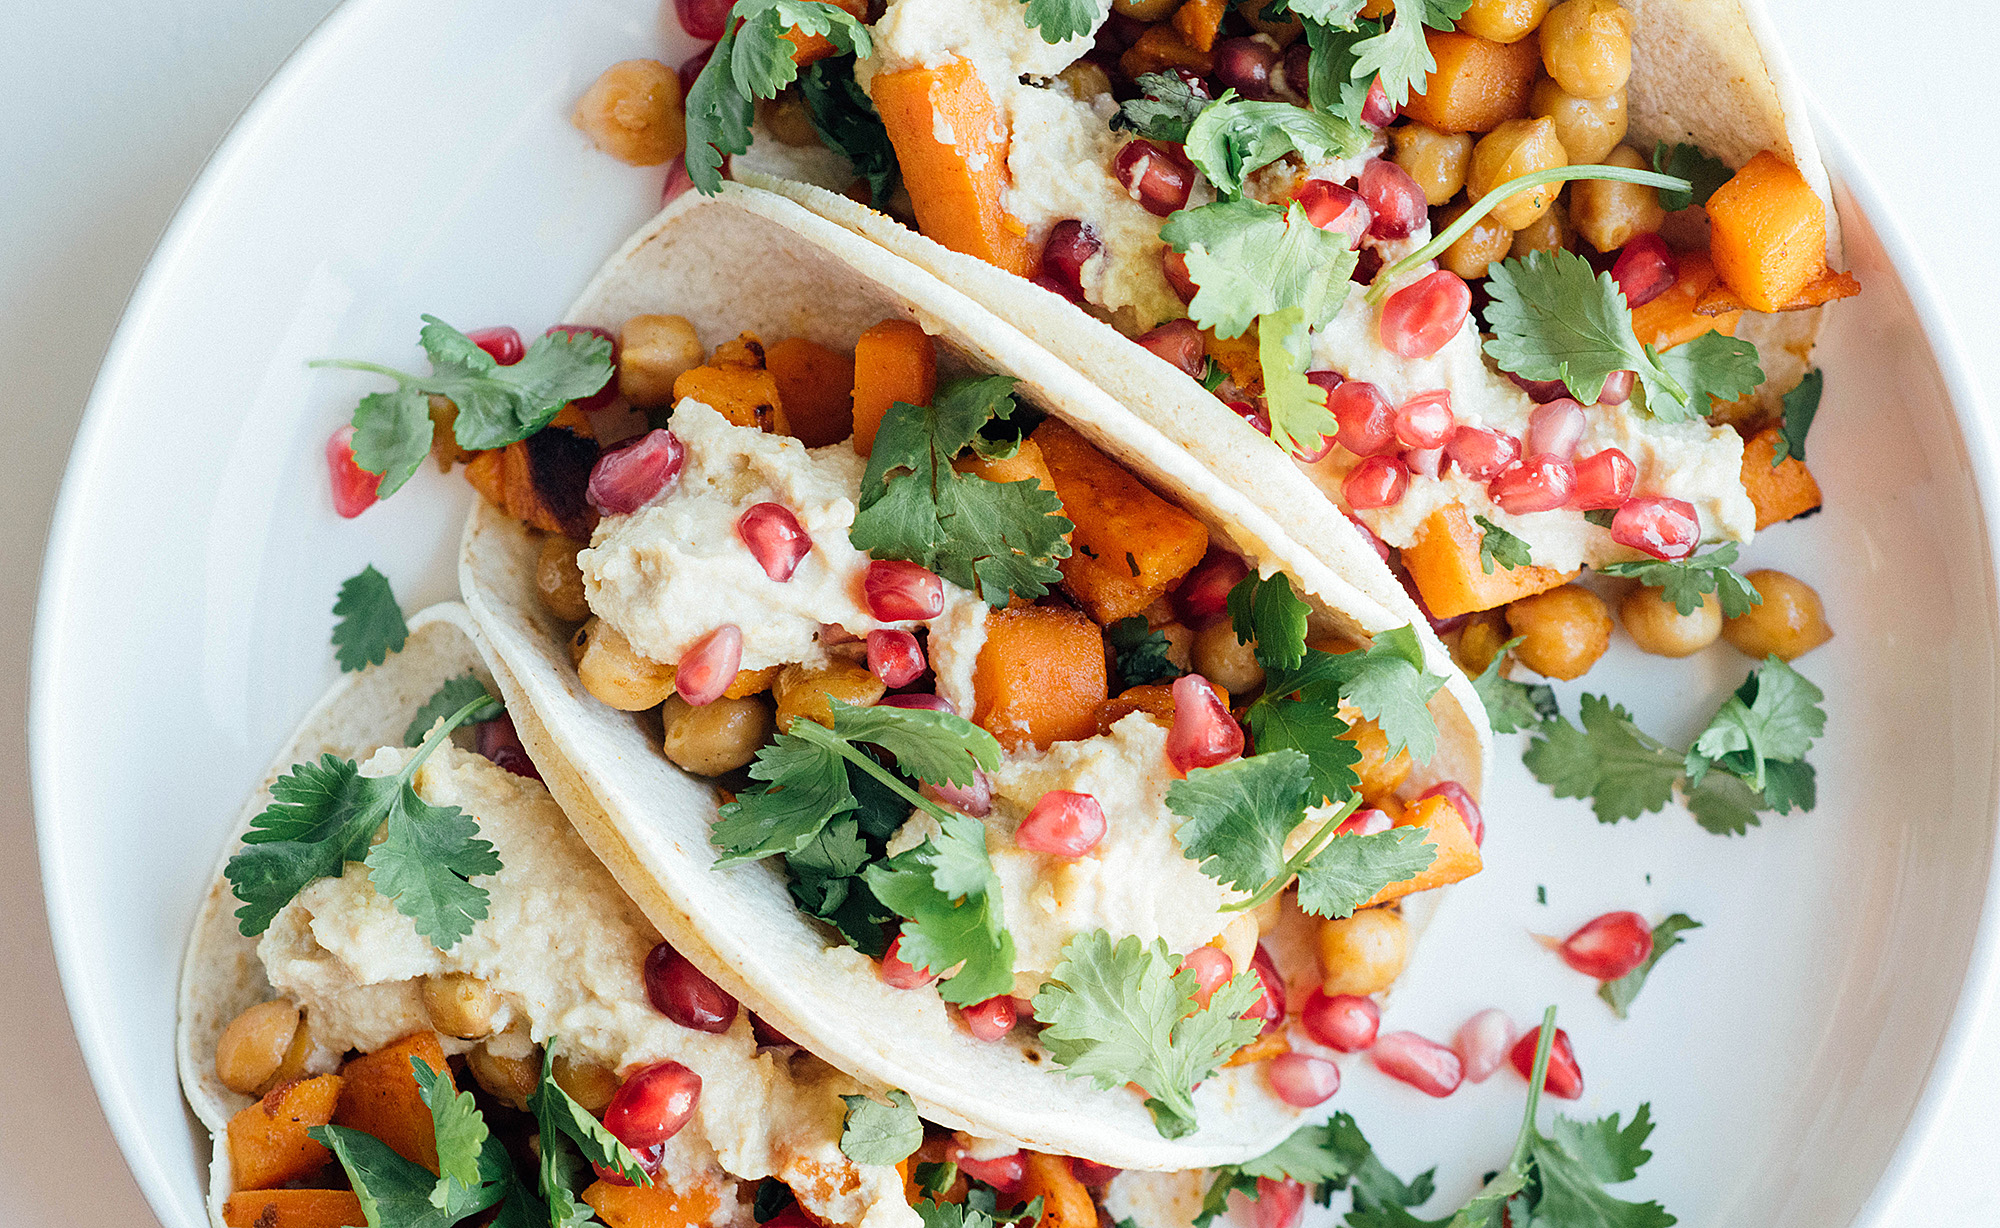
(1478, 84)
(816, 389)
(1828, 286)
(1155, 699)
(293, 1209)
(1238, 356)
(1777, 493)
(1444, 563)
(747, 396)
(811, 47)
(1380, 775)
(1457, 854)
(1199, 21)
(1130, 545)
(1675, 317)
(1040, 676)
(267, 1141)
(894, 361)
(1065, 1201)
(1026, 465)
(381, 1097)
(1263, 1049)
(752, 681)
(952, 148)
(1767, 232)
(655, 1206)
(540, 480)
(1162, 48)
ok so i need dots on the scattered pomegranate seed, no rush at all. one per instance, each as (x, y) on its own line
(1062, 824)
(678, 182)
(1376, 110)
(689, 70)
(707, 668)
(502, 343)
(1180, 343)
(1319, 453)
(1332, 206)
(1365, 822)
(1424, 462)
(1091, 1173)
(1609, 946)
(1245, 65)
(895, 657)
(1565, 1077)
(1461, 801)
(1278, 1203)
(975, 799)
(1662, 527)
(900, 974)
(992, 1019)
(1270, 1005)
(1344, 1021)
(1378, 481)
(1070, 244)
(926, 703)
(500, 743)
(1482, 454)
(1205, 592)
(609, 392)
(1203, 733)
(1604, 481)
(650, 1107)
(1251, 414)
(1482, 1043)
(1175, 266)
(1212, 969)
(684, 994)
(1418, 319)
(1617, 388)
(1003, 1173)
(1555, 428)
(1302, 1080)
(1396, 205)
(775, 536)
(1367, 419)
(1157, 176)
(707, 20)
(353, 487)
(630, 475)
(898, 591)
(1540, 390)
(1380, 547)
(1424, 1064)
(1425, 420)
(1645, 270)
(1537, 484)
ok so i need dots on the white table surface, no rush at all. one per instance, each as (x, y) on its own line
(107, 111)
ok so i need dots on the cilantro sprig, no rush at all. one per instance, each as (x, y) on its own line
(571, 1141)
(1512, 706)
(1232, 137)
(456, 693)
(1703, 174)
(1618, 994)
(368, 623)
(1497, 545)
(1057, 20)
(872, 1132)
(753, 61)
(947, 889)
(1801, 405)
(1685, 583)
(1249, 259)
(1164, 110)
(849, 124)
(1324, 1158)
(1139, 653)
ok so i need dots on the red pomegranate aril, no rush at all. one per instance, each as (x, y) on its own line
(1604, 481)
(1367, 419)
(1251, 414)
(1540, 390)
(1396, 205)
(1645, 270)
(1378, 481)
(1270, 1005)
(1424, 462)
(1617, 388)
(688, 72)
(1244, 65)
(1423, 1064)
(1662, 527)
(1565, 1077)
(609, 391)
(1425, 420)
(1380, 547)
(1555, 428)
(1344, 1021)
(1461, 801)
(1070, 244)
(707, 20)
(1175, 266)
(899, 973)
(1062, 824)
(1376, 110)
(975, 799)
(1205, 592)
(630, 475)
(707, 668)
(895, 657)
(1365, 822)
(681, 992)
(1482, 454)
(1418, 319)
(499, 742)
(1482, 1043)
(1157, 176)
(1212, 969)
(502, 343)
(992, 1019)
(926, 703)
(1203, 733)
(1298, 69)
(650, 1107)
(678, 182)
(1538, 484)
(1180, 343)
(1317, 454)
(1091, 1173)
(775, 536)
(1332, 206)
(898, 591)
(1302, 1080)
(1003, 1173)
(1278, 1203)
(1607, 947)
(353, 487)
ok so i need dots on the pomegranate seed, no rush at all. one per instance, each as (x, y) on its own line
(975, 799)
(1645, 270)
(1555, 428)
(681, 992)
(1205, 592)
(1375, 543)
(1366, 267)
(1535, 485)
(767, 1035)
(775, 536)
(1302, 1080)
(900, 974)
(895, 657)
(1424, 1064)
(353, 487)
(1418, 319)
(609, 392)
(1091, 1173)
(1617, 388)
(501, 343)
(897, 591)
(1298, 69)
(1425, 420)
(1157, 176)
(689, 70)
(1396, 205)
(1376, 110)
(1003, 1173)
(630, 475)
(1367, 822)
(1331, 206)
(498, 741)
(925, 703)
(1212, 969)
(1270, 1004)
(1062, 824)
(1175, 266)
(707, 20)
(707, 668)
(1071, 243)
(1378, 481)
(1251, 414)
(1318, 454)
(1180, 343)
(992, 1019)
(1244, 65)
(1565, 1077)
(1609, 946)
(1461, 801)
(1604, 481)
(678, 182)
(1540, 390)
(1203, 733)
(1482, 1043)
(1425, 462)
(650, 1107)
(1662, 527)
(1278, 1203)
(1344, 1021)
(1367, 420)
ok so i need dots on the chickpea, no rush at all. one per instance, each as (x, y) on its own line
(460, 1005)
(1656, 626)
(615, 674)
(1269, 914)
(1517, 147)
(1180, 645)
(716, 737)
(587, 1083)
(303, 1058)
(1563, 631)
(786, 118)
(1436, 160)
(1611, 214)
(1503, 21)
(1379, 773)
(1471, 252)
(1225, 660)
(633, 112)
(1364, 953)
(559, 581)
(1790, 623)
(1589, 128)
(1587, 46)
(511, 1079)
(1479, 641)
(252, 1048)
(1238, 940)
(1145, 10)
(653, 352)
(1547, 233)
(1085, 80)
(809, 692)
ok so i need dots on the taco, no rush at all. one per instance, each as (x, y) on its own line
(941, 808)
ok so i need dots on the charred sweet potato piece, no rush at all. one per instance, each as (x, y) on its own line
(1676, 316)
(1199, 21)
(542, 480)
(1026, 465)
(1781, 492)
(1065, 1201)
(1478, 84)
(1130, 545)
(734, 383)
(293, 1209)
(268, 1144)
(380, 1096)
(1767, 232)
(1039, 677)
(657, 1206)
(1444, 564)
(1828, 286)
(1163, 48)
(893, 361)
(1457, 853)
(816, 388)
(1154, 699)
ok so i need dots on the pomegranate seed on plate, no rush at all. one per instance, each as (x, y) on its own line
(898, 591)
(1538, 484)
(1180, 343)
(1205, 592)
(502, 343)
(1302, 1080)
(895, 657)
(1092, 1173)
(1278, 1203)
(1425, 420)
(1555, 428)
(1366, 822)
(1461, 801)
(1070, 244)
(1157, 176)
(926, 703)
(898, 973)
(1380, 547)
(1367, 419)
(975, 799)
(1607, 947)
(1244, 65)
(1062, 824)
(1003, 1173)
(1540, 390)
(1396, 205)
(1604, 481)
(1203, 733)
(684, 994)
(1645, 269)
(1424, 462)
(707, 668)
(650, 1107)
(992, 1019)
(1565, 1077)
(1418, 319)
(1662, 527)
(609, 392)
(1617, 388)
(707, 20)
(1376, 109)
(1332, 206)
(1424, 1064)
(1344, 1021)
(1270, 1005)
(775, 536)
(1482, 1043)
(1212, 969)
(353, 487)
(498, 741)
(1175, 266)
(627, 477)
(1378, 481)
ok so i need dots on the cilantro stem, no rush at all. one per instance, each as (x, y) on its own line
(1487, 203)
(1543, 1045)
(854, 755)
(442, 732)
(1319, 841)
(402, 378)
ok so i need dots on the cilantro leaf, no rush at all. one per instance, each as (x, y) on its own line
(1624, 771)
(1387, 682)
(1139, 653)
(449, 698)
(1787, 785)
(1251, 259)
(392, 1190)
(1126, 1013)
(826, 881)
(560, 1119)
(1236, 816)
(1332, 84)
(1324, 1158)
(718, 117)
(461, 1133)
(1497, 545)
(1234, 136)
(1061, 19)
(426, 862)
(1773, 717)
(878, 1133)
(1801, 404)
(1325, 12)
(1684, 583)
(1724, 804)
(1351, 869)
(754, 60)
(1300, 420)
(1512, 706)
(1703, 173)
(1268, 615)
(1618, 994)
(1400, 55)
(1306, 719)
(1165, 109)
(848, 124)
(948, 889)
(1711, 368)
(370, 624)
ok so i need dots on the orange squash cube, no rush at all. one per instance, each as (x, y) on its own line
(816, 389)
(1040, 676)
(1130, 545)
(381, 1097)
(268, 1144)
(655, 1206)
(1478, 84)
(1444, 563)
(1767, 233)
(1457, 854)
(293, 1209)
(1677, 315)
(1778, 493)
(1163, 47)
(1199, 21)
(893, 361)
(1065, 1201)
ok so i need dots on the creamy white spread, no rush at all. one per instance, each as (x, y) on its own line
(563, 949)
(993, 34)
(1156, 1200)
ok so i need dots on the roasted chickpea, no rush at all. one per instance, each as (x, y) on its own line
(615, 674)
(1269, 913)
(808, 692)
(304, 1057)
(1085, 80)
(1547, 233)
(653, 352)
(716, 737)
(1789, 623)
(1364, 953)
(1145, 10)
(1479, 641)
(558, 580)
(1225, 660)
(1503, 21)
(511, 1079)
(1658, 627)
(1238, 940)
(1436, 160)
(1588, 128)
(1611, 214)
(1517, 147)
(786, 118)
(1379, 773)
(1587, 46)
(1563, 631)
(460, 1005)
(587, 1083)
(1180, 644)
(633, 112)
(1471, 252)
(252, 1048)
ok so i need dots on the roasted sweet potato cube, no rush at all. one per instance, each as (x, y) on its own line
(1457, 853)
(1039, 677)
(1381, 773)
(1065, 1201)
(268, 1144)
(1130, 545)
(1676, 315)
(1778, 493)
(1828, 286)
(293, 1209)
(656, 1206)
(1026, 465)
(1199, 21)
(1155, 699)
(1767, 232)
(381, 1097)
(816, 388)
(1444, 563)
(1162, 48)
(1478, 84)
(747, 396)
(893, 361)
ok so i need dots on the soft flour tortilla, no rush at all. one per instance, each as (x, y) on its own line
(750, 260)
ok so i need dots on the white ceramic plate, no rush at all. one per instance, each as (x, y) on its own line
(417, 159)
